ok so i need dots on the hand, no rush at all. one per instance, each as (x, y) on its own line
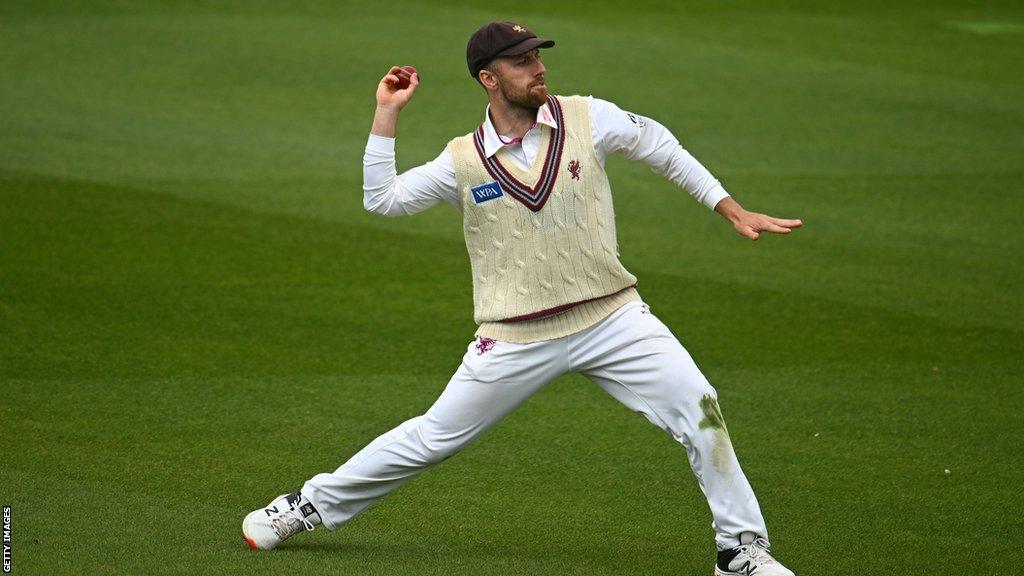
(751, 224)
(388, 94)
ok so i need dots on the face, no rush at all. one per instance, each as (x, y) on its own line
(520, 79)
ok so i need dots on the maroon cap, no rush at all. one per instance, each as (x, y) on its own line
(500, 39)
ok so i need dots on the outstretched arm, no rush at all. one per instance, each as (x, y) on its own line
(385, 192)
(639, 138)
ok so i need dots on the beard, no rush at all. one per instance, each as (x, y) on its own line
(530, 97)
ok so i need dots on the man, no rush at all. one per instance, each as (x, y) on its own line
(549, 293)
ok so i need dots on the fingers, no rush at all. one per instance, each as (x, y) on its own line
(786, 222)
(753, 229)
(773, 227)
(776, 225)
(414, 79)
(397, 74)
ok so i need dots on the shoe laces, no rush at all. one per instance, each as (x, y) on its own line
(758, 551)
(290, 521)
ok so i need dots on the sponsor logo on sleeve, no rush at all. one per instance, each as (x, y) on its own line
(640, 121)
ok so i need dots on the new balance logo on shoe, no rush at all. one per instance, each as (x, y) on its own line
(285, 516)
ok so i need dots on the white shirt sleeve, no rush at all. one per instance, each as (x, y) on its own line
(389, 194)
(638, 138)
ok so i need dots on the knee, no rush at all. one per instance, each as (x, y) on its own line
(700, 399)
(687, 382)
(702, 390)
(689, 395)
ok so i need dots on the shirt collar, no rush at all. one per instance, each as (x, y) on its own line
(491, 141)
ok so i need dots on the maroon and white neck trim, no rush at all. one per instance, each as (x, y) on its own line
(532, 197)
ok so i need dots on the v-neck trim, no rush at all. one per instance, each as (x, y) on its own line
(492, 141)
(533, 197)
(504, 157)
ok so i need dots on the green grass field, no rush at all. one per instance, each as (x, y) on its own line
(196, 314)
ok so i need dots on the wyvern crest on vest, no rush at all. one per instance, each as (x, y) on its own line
(574, 169)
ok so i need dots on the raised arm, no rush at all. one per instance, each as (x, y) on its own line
(384, 191)
(391, 99)
(639, 138)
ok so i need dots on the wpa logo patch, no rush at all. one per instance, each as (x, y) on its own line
(485, 192)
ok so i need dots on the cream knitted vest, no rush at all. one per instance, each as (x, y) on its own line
(541, 242)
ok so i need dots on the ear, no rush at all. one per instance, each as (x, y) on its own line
(488, 79)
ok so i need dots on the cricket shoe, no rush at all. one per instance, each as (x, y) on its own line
(751, 559)
(285, 516)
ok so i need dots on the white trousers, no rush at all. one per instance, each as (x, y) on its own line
(630, 354)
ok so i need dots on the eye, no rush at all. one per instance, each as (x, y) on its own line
(528, 58)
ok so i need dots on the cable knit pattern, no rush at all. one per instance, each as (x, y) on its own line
(564, 255)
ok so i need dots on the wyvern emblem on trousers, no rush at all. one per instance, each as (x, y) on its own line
(574, 168)
(484, 345)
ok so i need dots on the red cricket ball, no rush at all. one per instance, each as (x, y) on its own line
(403, 78)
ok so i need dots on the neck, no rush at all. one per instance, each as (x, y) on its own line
(512, 119)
